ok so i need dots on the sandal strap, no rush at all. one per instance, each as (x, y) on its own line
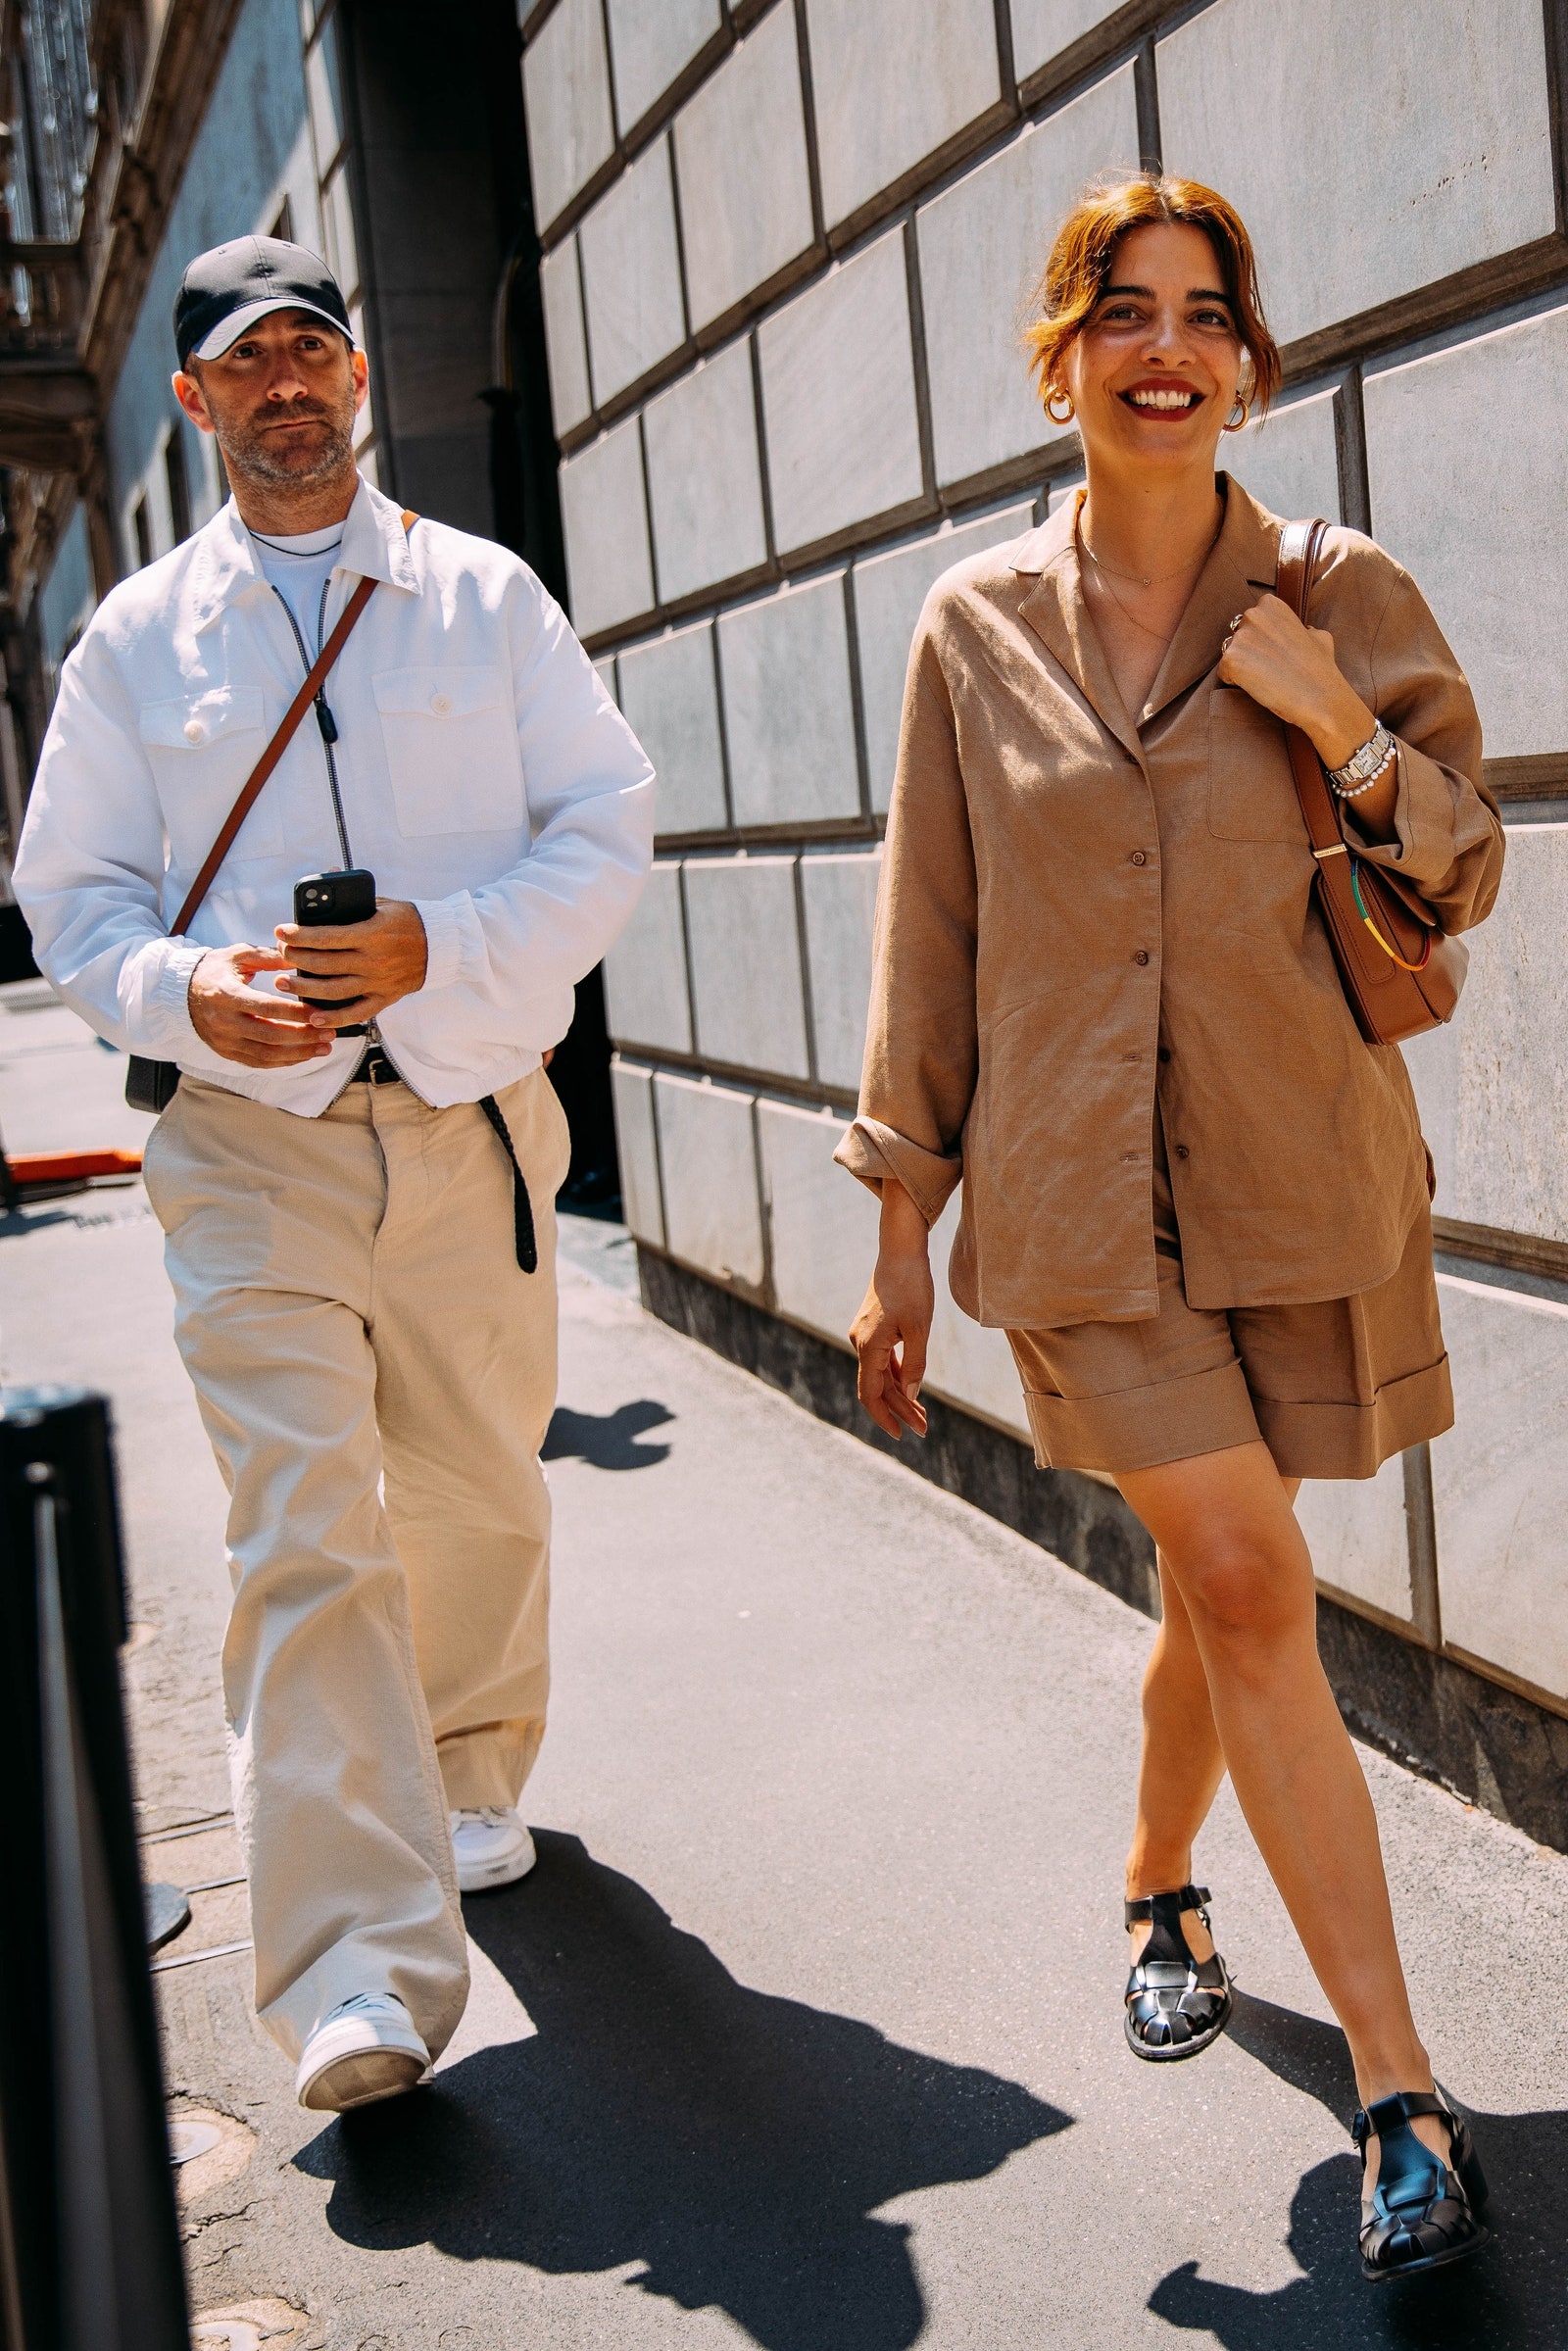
(1183, 1897)
(1396, 2112)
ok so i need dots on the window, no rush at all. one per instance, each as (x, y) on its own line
(283, 225)
(178, 483)
(142, 522)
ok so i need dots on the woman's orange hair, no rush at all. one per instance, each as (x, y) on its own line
(1079, 268)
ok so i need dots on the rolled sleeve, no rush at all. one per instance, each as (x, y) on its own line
(873, 1151)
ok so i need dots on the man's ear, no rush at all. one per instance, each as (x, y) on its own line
(360, 367)
(190, 394)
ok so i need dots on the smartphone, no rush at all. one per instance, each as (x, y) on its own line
(325, 897)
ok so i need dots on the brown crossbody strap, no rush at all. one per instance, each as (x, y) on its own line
(315, 678)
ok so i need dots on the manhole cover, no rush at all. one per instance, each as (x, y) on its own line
(208, 2150)
(187, 2139)
(267, 2324)
(167, 1912)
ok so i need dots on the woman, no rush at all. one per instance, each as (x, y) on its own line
(1194, 1198)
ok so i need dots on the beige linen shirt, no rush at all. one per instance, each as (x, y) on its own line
(1081, 914)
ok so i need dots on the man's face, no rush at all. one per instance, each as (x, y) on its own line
(281, 401)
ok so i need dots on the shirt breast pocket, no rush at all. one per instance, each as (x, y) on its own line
(1252, 792)
(452, 753)
(201, 749)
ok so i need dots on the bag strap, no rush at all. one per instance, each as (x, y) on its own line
(1300, 544)
(250, 791)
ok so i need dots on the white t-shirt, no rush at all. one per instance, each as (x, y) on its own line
(300, 567)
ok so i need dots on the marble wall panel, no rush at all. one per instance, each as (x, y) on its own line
(567, 351)
(646, 998)
(705, 482)
(1043, 28)
(822, 1225)
(745, 963)
(605, 672)
(1358, 1537)
(745, 184)
(789, 716)
(650, 42)
(707, 1151)
(969, 1365)
(1500, 1482)
(1290, 462)
(1422, 134)
(983, 245)
(631, 275)
(838, 393)
(566, 87)
(669, 698)
(838, 896)
(889, 591)
(605, 520)
(1492, 1086)
(631, 1091)
(892, 82)
(1446, 485)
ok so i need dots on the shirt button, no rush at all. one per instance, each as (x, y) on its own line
(1182, 1152)
(1142, 956)
(195, 732)
(440, 704)
(1138, 858)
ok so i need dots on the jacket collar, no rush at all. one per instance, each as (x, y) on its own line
(1240, 569)
(225, 568)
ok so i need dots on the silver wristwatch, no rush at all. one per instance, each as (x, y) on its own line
(1362, 771)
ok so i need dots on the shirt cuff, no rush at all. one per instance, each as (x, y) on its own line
(165, 1005)
(454, 939)
(1424, 847)
(874, 1151)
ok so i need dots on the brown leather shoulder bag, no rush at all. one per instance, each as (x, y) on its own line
(1402, 974)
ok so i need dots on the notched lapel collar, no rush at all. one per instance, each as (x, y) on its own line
(1056, 610)
(1239, 571)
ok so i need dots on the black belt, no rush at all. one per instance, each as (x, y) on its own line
(376, 1070)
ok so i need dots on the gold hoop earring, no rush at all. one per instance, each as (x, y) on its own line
(1057, 393)
(1235, 423)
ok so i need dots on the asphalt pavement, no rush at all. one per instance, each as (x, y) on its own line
(806, 2033)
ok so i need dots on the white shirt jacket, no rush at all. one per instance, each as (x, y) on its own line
(485, 775)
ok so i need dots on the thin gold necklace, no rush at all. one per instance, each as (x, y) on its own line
(1138, 579)
(1159, 636)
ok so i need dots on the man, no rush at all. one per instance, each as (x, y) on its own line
(374, 1367)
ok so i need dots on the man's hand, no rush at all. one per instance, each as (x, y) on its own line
(263, 1031)
(357, 968)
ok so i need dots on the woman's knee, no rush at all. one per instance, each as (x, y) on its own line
(1242, 1588)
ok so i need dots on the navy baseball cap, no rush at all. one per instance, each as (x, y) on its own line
(226, 290)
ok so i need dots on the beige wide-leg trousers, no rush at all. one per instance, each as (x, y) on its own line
(377, 1373)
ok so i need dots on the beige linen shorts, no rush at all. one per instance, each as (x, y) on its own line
(1333, 1388)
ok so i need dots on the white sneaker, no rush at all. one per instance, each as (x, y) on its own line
(491, 1847)
(366, 2049)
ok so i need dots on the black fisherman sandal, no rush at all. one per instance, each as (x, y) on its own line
(1423, 2212)
(1176, 2004)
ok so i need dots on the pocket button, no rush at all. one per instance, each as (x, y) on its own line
(440, 704)
(194, 731)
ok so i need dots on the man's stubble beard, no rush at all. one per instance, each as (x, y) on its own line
(249, 457)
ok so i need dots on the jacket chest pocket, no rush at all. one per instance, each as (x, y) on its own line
(201, 749)
(452, 754)
(1252, 793)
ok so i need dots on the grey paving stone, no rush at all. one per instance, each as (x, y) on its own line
(983, 246)
(570, 397)
(889, 591)
(1043, 28)
(745, 963)
(1440, 141)
(631, 1089)
(669, 696)
(631, 274)
(787, 714)
(838, 394)
(606, 524)
(650, 42)
(873, 123)
(739, 157)
(646, 997)
(565, 87)
(1443, 490)
(838, 895)
(705, 478)
(713, 1209)
(1289, 462)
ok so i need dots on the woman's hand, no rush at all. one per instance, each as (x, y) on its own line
(1290, 670)
(891, 1332)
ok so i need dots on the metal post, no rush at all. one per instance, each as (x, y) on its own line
(89, 2240)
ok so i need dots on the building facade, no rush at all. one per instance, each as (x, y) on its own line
(787, 247)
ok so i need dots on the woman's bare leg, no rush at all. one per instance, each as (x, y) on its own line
(1230, 1543)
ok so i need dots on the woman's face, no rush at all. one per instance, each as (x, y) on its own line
(1153, 374)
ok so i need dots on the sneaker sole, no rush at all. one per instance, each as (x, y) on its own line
(361, 2078)
(496, 1872)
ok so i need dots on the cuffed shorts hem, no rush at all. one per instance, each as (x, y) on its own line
(1353, 1440)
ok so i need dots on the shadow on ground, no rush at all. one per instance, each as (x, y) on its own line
(607, 1440)
(1511, 2297)
(734, 2143)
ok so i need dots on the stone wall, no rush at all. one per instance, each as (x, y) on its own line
(787, 246)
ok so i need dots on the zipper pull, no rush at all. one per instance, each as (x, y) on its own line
(324, 719)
